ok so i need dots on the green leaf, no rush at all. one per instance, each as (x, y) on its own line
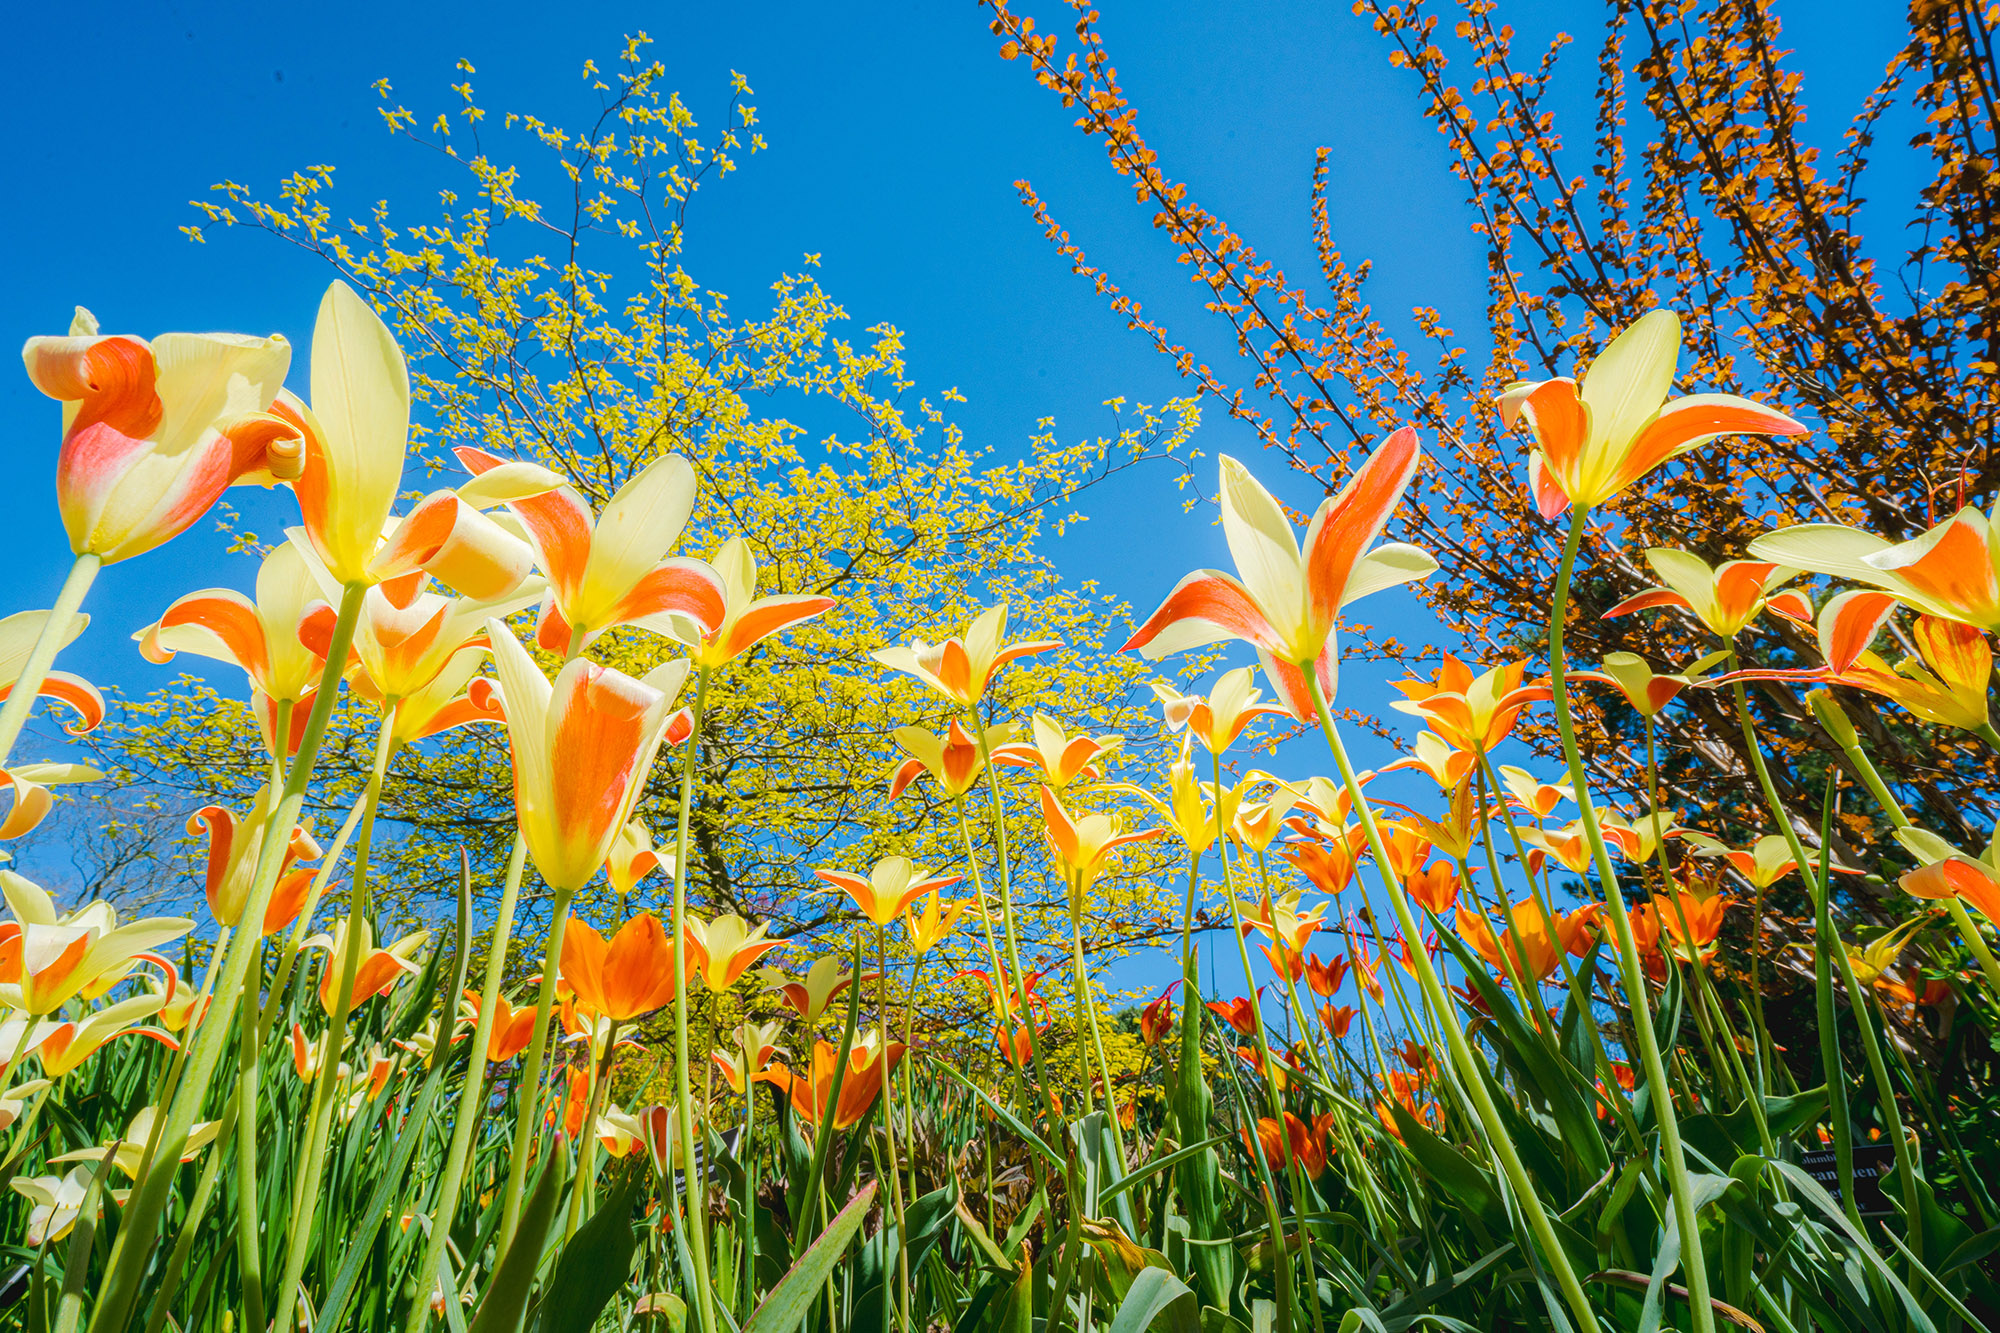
(1159, 1164)
(1008, 1118)
(785, 1308)
(1157, 1294)
(507, 1296)
(1463, 1179)
(594, 1265)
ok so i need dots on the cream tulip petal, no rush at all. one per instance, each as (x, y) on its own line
(361, 398)
(1630, 378)
(516, 480)
(1387, 566)
(637, 528)
(1826, 548)
(1265, 548)
(18, 633)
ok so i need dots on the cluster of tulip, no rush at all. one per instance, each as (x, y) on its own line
(407, 610)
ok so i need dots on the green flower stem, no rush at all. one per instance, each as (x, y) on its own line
(249, 1229)
(889, 1130)
(1471, 1073)
(139, 1232)
(466, 1123)
(1857, 994)
(697, 1185)
(1019, 975)
(529, 1085)
(1693, 1260)
(21, 697)
(288, 956)
(326, 1083)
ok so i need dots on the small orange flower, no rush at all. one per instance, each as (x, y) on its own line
(869, 1062)
(1536, 952)
(1157, 1018)
(1308, 1145)
(1435, 886)
(1325, 978)
(1236, 1013)
(512, 1028)
(1337, 1019)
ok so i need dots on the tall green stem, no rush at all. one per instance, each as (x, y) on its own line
(326, 1087)
(528, 1098)
(139, 1232)
(21, 696)
(249, 1226)
(1632, 972)
(466, 1121)
(697, 1191)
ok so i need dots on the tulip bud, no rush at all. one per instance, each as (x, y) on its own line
(1833, 719)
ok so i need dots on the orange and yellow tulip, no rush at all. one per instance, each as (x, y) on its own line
(961, 669)
(1951, 571)
(1307, 1144)
(938, 920)
(1628, 673)
(612, 568)
(1325, 978)
(746, 618)
(233, 849)
(153, 433)
(18, 635)
(1156, 1019)
(1470, 713)
(894, 883)
(47, 960)
(1218, 718)
(870, 1061)
(633, 857)
(1085, 843)
(630, 976)
(953, 760)
(66, 1046)
(582, 747)
(826, 978)
(1287, 601)
(260, 637)
(722, 950)
(748, 1063)
(1063, 758)
(1725, 598)
(512, 1028)
(378, 970)
(1536, 951)
(1596, 439)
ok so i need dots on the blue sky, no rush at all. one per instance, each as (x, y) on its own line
(896, 133)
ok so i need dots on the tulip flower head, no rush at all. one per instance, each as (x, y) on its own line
(355, 434)
(1284, 601)
(936, 923)
(631, 975)
(234, 847)
(962, 669)
(512, 1028)
(448, 536)
(871, 1060)
(1530, 795)
(826, 978)
(1237, 1013)
(1472, 713)
(1430, 752)
(1725, 599)
(1945, 872)
(953, 760)
(1325, 978)
(1063, 758)
(1535, 950)
(66, 1046)
(1630, 676)
(260, 637)
(582, 747)
(1218, 718)
(130, 1149)
(29, 785)
(633, 857)
(1086, 843)
(1596, 439)
(47, 960)
(746, 619)
(1763, 864)
(57, 1202)
(1882, 953)
(612, 568)
(153, 433)
(1157, 1018)
(749, 1059)
(377, 971)
(893, 884)
(722, 950)
(1952, 571)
